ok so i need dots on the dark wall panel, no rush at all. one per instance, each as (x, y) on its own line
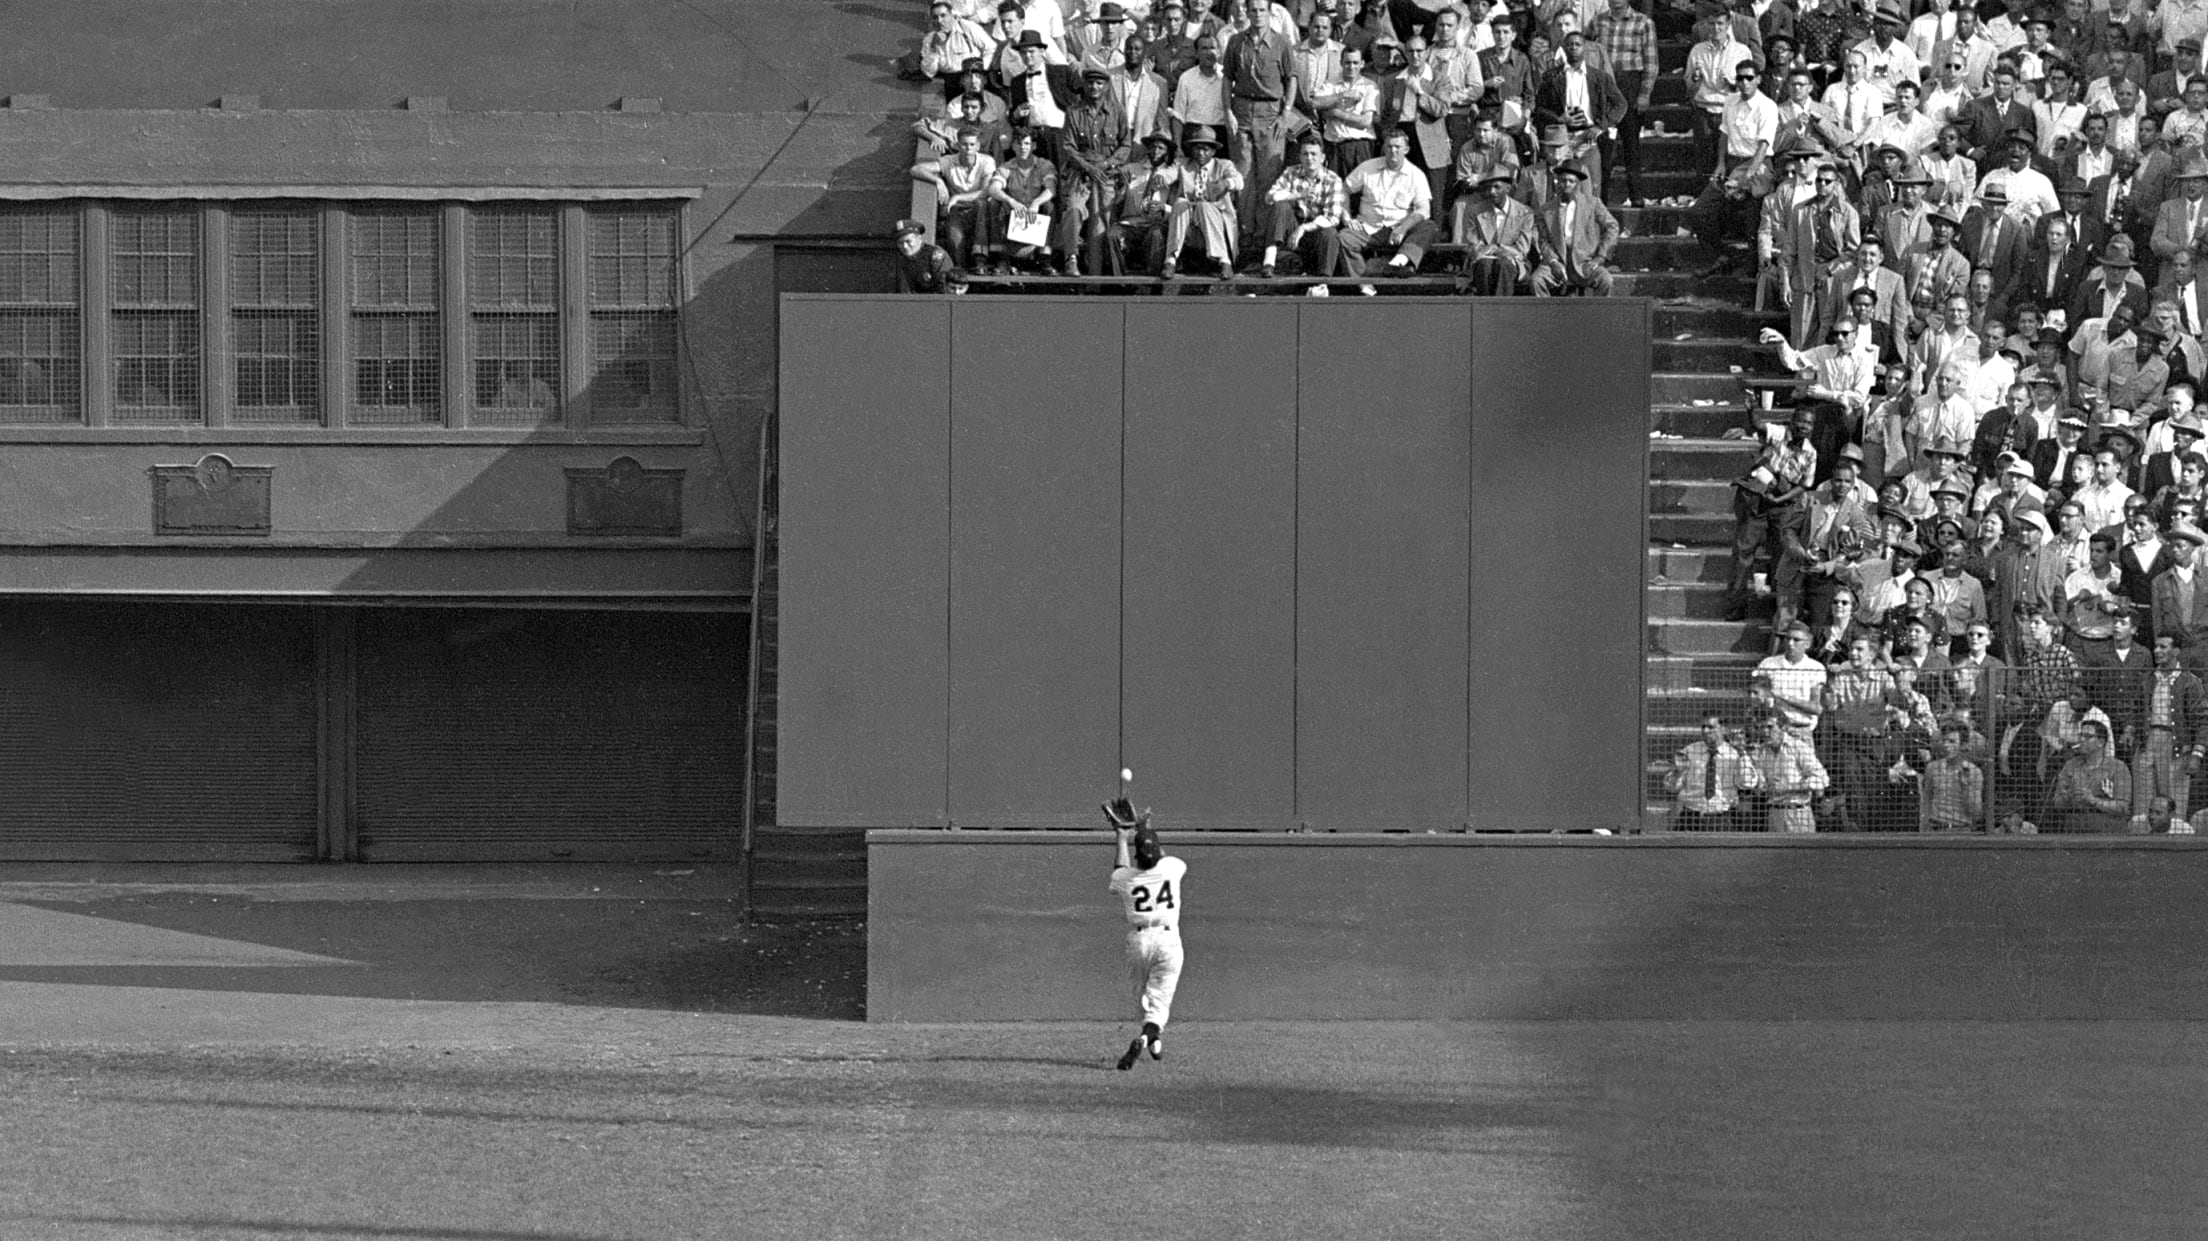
(1209, 688)
(1469, 928)
(865, 548)
(1034, 636)
(1380, 568)
(1559, 490)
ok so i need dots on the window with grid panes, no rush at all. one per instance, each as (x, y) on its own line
(40, 361)
(275, 314)
(513, 314)
(632, 265)
(153, 277)
(398, 342)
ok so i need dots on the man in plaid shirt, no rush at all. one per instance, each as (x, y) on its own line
(1628, 38)
(1307, 205)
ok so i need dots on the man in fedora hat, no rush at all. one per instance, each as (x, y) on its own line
(1536, 184)
(2186, 431)
(1994, 240)
(1576, 235)
(1134, 240)
(1935, 272)
(2182, 223)
(2119, 287)
(2070, 197)
(1498, 234)
(1203, 209)
(1097, 40)
(1887, 56)
(1905, 222)
(2031, 193)
(2181, 594)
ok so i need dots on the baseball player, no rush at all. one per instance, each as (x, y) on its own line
(1150, 886)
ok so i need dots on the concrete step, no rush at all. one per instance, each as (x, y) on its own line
(1661, 252)
(771, 871)
(1708, 459)
(1696, 421)
(1687, 387)
(1683, 636)
(1697, 601)
(1670, 566)
(1707, 672)
(1739, 290)
(1691, 529)
(1684, 709)
(1691, 495)
(1705, 317)
(1713, 355)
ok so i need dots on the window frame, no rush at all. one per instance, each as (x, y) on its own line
(98, 418)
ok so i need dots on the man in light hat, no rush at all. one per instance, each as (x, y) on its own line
(1905, 223)
(2186, 431)
(2182, 222)
(1499, 234)
(2053, 457)
(1536, 184)
(1887, 57)
(1936, 273)
(1942, 463)
(2181, 594)
(1096, 40)
(1576, 236)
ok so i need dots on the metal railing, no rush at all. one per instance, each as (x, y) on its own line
(2065, 745)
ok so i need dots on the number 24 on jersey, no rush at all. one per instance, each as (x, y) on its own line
(1141, 895)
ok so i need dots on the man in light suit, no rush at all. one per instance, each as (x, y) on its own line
(2183, 220)
(1498, 235)
(1869, 271)
(1137, 94)
(1821, 234)
(1577, 234)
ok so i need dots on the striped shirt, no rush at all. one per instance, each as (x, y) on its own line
(1630, 41)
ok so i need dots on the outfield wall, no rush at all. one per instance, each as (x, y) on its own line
(973, 926)
(1355, 564)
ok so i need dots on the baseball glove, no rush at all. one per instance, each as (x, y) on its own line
(1120, 813)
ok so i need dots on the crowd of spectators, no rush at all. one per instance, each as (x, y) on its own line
(1978, 522)
(1168, 137)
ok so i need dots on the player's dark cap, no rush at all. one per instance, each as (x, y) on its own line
(1146, 846)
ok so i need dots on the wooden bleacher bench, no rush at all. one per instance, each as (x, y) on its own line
(1242, 284)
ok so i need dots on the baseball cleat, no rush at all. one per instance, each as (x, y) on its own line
(1134, 1050)
(1157, 1047)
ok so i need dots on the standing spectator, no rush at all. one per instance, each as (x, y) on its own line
(2093, 793)
(1975, 675)
(1991, 122)
(1508, 77)
(1853, 728)
(1855, 99)
(1200, 92)
(1203, 207)
(1709, 775)
(1796, 682)
(1307, 206)
(1577, 234)
(1727, 209)
(1713, 77)
(1139, 95)
(2181, 595)
(2092, 601)
(1952, 789)
(2182, 222)
(1789, 775)
(1628, 39)
(1350, 112)
(1448, 87)
(1094, 144)
(2173, 713)
(1261, 75)
(1587, 100)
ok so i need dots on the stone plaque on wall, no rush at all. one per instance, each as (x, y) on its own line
(212, 497)
(624, 498)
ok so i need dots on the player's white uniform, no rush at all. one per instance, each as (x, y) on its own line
(1153, 901)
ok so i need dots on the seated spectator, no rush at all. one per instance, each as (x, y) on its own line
(1203, 206)
(1498, 233)
(1709, 776)
(950, 42)
(922, 267)
(1134, 241)
(2093, 792)
(1307, 206)
(1394, 211)
(1577, 234)
(961, 184)
(1020, 194)
(1724, 216)
(1486, 151)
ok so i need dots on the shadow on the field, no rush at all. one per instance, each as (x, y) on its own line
(294, 1228)
(673, 955)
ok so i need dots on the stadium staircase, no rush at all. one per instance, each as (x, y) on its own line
(1704, 344)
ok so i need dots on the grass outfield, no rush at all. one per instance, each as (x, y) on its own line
(331, 1117)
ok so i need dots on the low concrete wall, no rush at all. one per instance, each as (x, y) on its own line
(973, 926)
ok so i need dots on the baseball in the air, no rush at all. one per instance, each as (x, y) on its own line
(1126, 774)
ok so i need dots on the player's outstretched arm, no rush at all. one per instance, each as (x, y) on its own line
(1121, 815)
